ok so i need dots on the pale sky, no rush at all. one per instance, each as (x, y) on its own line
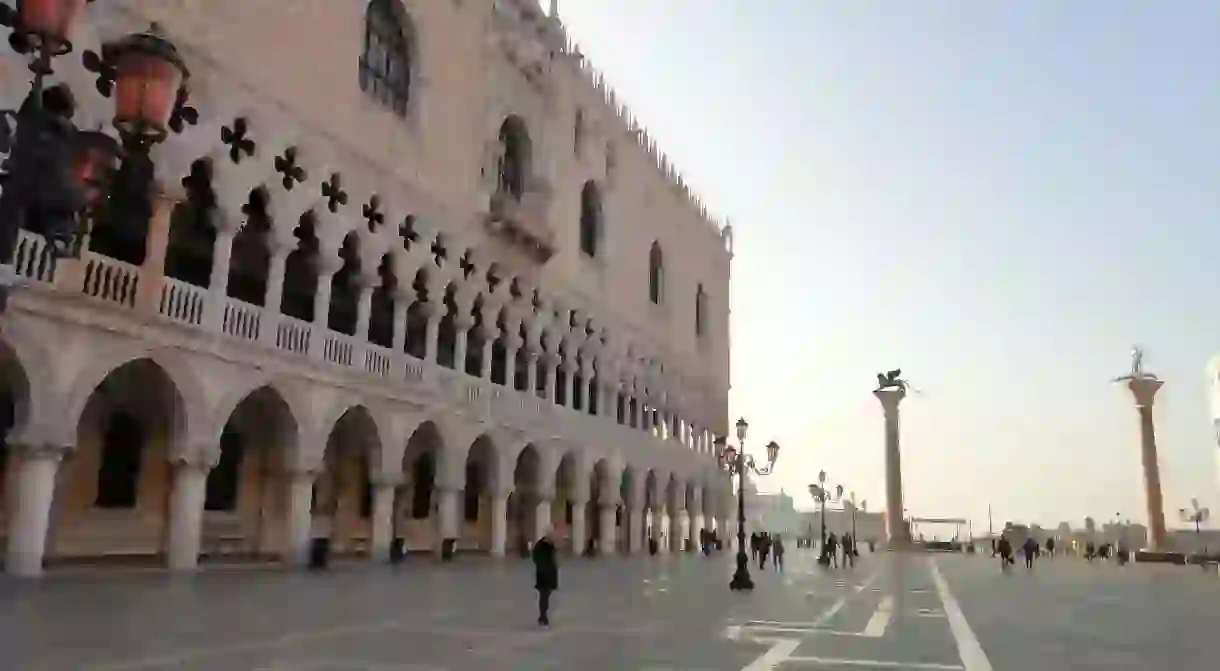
(999, 197)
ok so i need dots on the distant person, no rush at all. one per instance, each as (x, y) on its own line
(849, 551)
(764, 549)
(1090, 551)
(1004, 548)
(1030, 549)
(546, 575)
(754, 543)
(1050, 547)
(832, 550)
(777, 553)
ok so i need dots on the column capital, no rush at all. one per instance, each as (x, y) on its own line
(463, 321)
(203, 457)
(40, 451)
(303, 472)
(386, 480)
(552, 359)
(890, 398)
(1144, 390)
(433, 309)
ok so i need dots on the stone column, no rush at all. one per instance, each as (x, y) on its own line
(364, 307)
(461, 326)
(273, 299)
(1144, 390)
(383, 517)
(34, 468)
(531, 372)
(218, 285)
(551, 360)
(300, 517)
(328, 265)
(490, 333)
(499, 522)
(896, 529)
(402, 303)
(590, 383)
(512, 345)
(186, 510)
(568, 400)
(608, 535)
(447, 514)
(694, 515)
(542, 514)
(152, 273)
(579, 531)
(434, 310)
(675, 530)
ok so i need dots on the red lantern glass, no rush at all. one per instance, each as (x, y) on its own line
(148, 75)
(51, 20)
(772, 451)
(94, 160)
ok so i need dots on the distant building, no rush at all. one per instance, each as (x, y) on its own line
(869, 526)
(774, 513)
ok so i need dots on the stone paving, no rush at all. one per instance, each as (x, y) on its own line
(639, 614)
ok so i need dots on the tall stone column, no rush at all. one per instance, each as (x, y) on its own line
(568, 399)
(218, 284)
(633, 526)
(499, 522)
(186, 511)
(531, 371)
(551, 360)
(447, 515)
(490, 334)
(274, 296)
(152, 273)
(1144, 390)
(542, 514)
(579, 530)
(512, 345)
(383, 517)
(34, 467)
(300, 517)
(607, 533)
(895, 525)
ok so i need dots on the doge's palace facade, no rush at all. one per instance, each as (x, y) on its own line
(415, 274)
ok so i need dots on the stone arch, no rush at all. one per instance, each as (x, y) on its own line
(17, 394)
(112, 496)
(416, 498)
(246, 493)
(656, 274)
(343, 491)
(480, 482)
(529, 491)
(188, 388)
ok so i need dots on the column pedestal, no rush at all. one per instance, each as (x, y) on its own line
(446, 517)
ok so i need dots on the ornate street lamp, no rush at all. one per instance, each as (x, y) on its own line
(738, 463)
(820, 493)
(56, 174)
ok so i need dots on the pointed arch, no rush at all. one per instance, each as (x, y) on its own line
(591, 220)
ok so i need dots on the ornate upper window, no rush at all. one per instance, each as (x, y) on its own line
(513, 163)
(656, 274)
(386, 64)
(700, 311)
(590, 219)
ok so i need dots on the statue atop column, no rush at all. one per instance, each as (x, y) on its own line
(1137, 367)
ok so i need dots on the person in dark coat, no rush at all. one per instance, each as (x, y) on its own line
(546, 575)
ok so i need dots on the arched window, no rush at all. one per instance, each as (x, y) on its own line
(590, 218)
(656, 274)
(700, 310)
(385, 65)
(514, 157)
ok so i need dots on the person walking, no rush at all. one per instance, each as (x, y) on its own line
(1004, 549)
(546, 575)
(1050, 548)
(754, 544)
(764, 548)
(1030, 549)
(849, 550)
(777, 553)
(832, 550)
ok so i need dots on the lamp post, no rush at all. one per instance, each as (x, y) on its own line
(738, 463)
(57, 174)
(853, 516)
(820, 493)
